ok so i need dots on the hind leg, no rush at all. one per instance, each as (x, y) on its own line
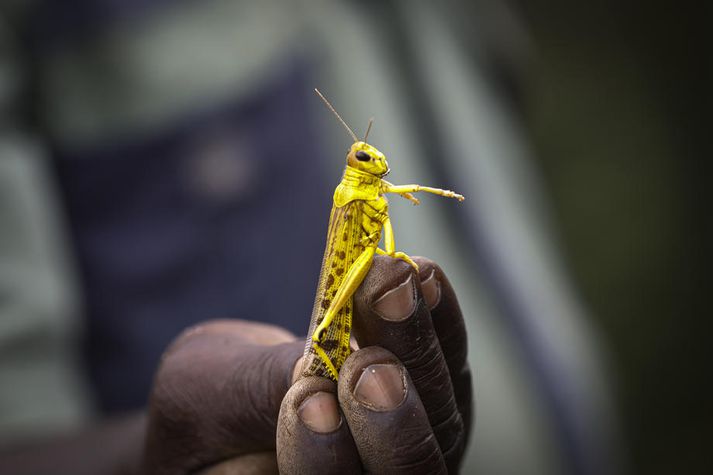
(356, 273)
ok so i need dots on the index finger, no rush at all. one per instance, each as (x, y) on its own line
(390, 312)
(449, 324)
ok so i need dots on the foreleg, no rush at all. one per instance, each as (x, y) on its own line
(386, 185)
(401, 189)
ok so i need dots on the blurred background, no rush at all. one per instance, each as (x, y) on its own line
(617, 105)
(156, 156)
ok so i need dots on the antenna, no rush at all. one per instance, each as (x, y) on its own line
(368, 128)
(351, 132)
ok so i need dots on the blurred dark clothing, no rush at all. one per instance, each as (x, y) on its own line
(207, 208)
(206, 220)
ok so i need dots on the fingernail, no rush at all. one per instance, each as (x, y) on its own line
(431, 288)
(319, 412)
(381, 387)
(398, 303)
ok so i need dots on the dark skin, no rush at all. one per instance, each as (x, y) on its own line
(223, 399)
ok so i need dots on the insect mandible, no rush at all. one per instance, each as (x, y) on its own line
(359, 215)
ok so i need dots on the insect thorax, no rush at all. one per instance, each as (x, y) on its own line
(374, 213)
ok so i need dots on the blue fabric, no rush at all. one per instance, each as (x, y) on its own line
(54, 24)
(222, 216)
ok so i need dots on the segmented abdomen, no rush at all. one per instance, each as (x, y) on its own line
(344, 245)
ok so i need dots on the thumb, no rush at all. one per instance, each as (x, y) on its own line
(216, 396)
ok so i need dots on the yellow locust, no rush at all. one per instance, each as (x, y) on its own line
(359, 214)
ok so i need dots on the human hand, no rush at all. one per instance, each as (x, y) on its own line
(403, 402)
(217, 395)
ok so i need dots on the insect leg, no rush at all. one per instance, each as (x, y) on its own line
(390, 245)
(386, 188)
(414, 188)
(389, 242)
(411, 198)
(356, 273)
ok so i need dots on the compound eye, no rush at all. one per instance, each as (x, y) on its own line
(362, 156)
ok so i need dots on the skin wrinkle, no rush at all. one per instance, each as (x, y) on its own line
(456, 362)
(451, 331)
(247, 400)
(423, 360)
(450, 429)
(265, 402)
(431, 374)
(173, 425)
(416, 343)
(423, 444)
(222, 431)
(445, 419)
(424, 357)
(176, 403)
(274, 394)
(456, 449)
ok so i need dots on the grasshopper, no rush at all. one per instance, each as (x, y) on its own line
(359, 214)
